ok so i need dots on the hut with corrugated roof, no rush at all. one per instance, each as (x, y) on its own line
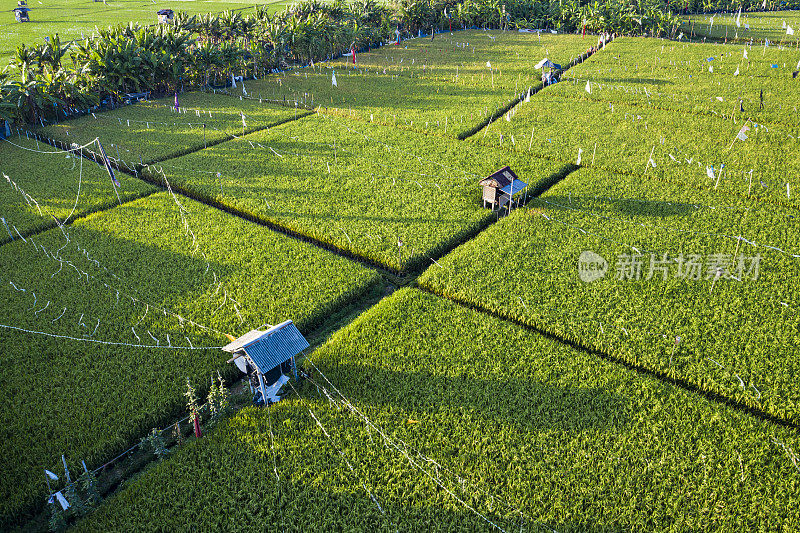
(267, 357)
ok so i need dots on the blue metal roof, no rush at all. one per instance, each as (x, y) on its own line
(514, 187)
(277, 345)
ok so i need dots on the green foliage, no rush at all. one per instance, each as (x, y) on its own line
(155, 442)
(88, 484)
(191, 402)
(218, 403)
(78, 506)
(507, 418)
(78, 20)
(57, 521)
(102, 398)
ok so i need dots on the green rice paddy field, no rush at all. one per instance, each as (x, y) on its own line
(470, 369)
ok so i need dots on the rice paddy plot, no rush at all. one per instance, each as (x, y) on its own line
(41, 190)
(449, 85)
(732, 82)
(151, 131)
(434, 417)
(756, 26)
(123, 301)
(691, 284)
(387, 195)
(743, 158)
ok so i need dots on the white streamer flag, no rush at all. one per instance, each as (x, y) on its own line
(588, 87)
(62, 500)
(745, 53)
(710, 172)
(789, 30)
(244, 91)
(51, 475)
(738, 18)
(488, 64)
(244, 124)
(580, 151)
(737, 72)
(333, 79)
(233, 81)
(741, 135)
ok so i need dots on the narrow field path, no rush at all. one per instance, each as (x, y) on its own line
(530, 92)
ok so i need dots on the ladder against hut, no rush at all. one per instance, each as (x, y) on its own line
(499, 188)
(267, 357)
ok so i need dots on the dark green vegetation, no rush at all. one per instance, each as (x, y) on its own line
(134, 275)
(477, 416)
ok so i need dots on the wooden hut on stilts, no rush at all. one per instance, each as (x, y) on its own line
(499, 188)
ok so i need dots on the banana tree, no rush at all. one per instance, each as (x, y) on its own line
(53, 52)
(26, 60)
(205, 60)
(29, 96)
